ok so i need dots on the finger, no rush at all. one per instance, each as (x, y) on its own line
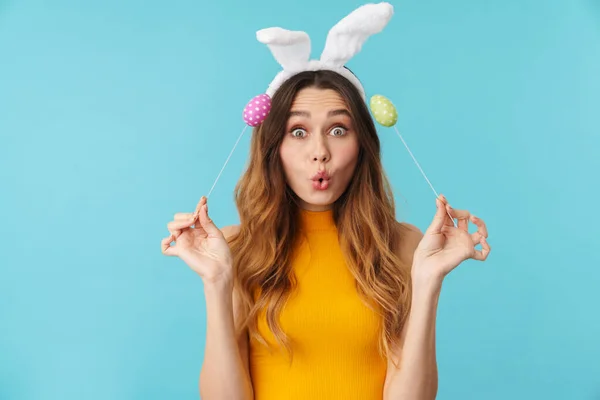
(182, 216)
(207, 223)
(448, 221)
(199, 206)
(461, 215)
(177, 225)
(476, 238)
(463, 224)
(481, 255)
(187, 216)
(438, 219)
(175, 233)
(481, 227)
(166, 247)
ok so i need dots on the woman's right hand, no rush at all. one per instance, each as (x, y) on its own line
(200, 244)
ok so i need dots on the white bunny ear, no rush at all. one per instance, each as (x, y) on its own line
(346, 38)
(291, 49)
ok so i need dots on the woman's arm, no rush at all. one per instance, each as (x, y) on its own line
(417, 377)
(437, 252)
(225, 374)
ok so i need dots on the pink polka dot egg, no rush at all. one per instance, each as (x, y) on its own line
(257, 109)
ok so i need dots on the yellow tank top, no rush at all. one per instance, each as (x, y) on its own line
(334, 335)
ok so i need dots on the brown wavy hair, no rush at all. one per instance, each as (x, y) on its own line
(364, 215)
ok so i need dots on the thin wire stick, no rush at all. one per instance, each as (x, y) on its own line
(226, 161)
(422, 172)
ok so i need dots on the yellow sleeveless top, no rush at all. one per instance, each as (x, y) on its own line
(334, 335)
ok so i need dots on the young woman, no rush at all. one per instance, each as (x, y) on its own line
(319, 293)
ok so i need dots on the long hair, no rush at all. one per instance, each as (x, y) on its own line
(364, 216)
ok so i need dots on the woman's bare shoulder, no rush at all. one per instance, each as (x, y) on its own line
(410, 229)
(230, 230)
(410, 236)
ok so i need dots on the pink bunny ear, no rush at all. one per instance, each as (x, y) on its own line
(257, 110)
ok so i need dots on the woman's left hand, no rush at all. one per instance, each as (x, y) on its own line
(444, 246)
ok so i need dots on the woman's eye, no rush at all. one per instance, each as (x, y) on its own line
(338, 131)
(296, 131)
(301, 133)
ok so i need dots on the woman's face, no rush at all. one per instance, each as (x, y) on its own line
(319, 137)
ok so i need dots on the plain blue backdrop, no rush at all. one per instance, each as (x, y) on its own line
(114, 115)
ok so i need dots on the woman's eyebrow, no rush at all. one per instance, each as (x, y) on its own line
(333, 113)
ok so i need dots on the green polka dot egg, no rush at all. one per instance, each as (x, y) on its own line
(383, 110)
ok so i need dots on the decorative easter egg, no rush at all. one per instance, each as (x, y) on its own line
(383, 110)
(257, 109)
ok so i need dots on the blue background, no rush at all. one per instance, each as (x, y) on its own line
(115, 115)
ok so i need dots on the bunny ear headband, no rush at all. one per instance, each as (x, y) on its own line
(292, 49)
